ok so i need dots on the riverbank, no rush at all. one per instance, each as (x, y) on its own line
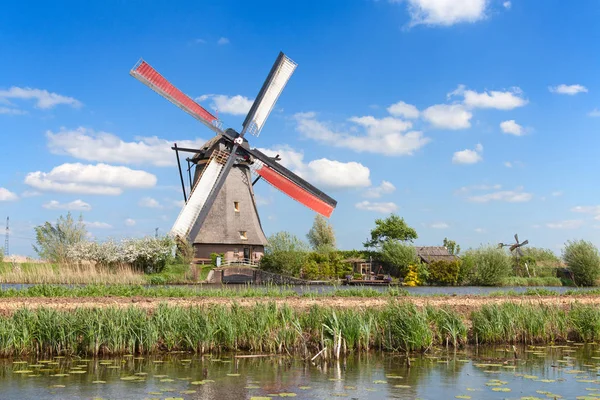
(307, 329)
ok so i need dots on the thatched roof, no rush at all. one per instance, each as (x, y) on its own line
(434, 253)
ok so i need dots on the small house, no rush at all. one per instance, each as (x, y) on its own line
(428, 254)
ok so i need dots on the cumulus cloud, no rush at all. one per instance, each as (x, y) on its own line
(508, 196)
(149, 202)
(44, 99)
(89, 145)
(386, 135)
(439, 225)
(568, 89)
(222, 41)
(500, 100)
(378, 191)
(75, 205)
(468, 156)
(97, 225)
(445, 12)
(325, 173)
(384, 208)
(90, 179)
(402, 109)
(130, 222)
(586, 209)
(7, 195)
(567, 224)
(11, 111)
(234, 105)
(508, 164)
(512, 128)
(448, 116)
(507, 5)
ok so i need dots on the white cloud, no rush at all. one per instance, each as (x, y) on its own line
(568, 89)
(222, 41)
(509, 196)
(76, 205)
(512, 128)
(507, 5)
(178, 203)
(89, 145)
(96, 224)
(378, 191)
(262, 201)
(594, 113)
(44, 98)
(130, 222)
(439, 225)
(508, 164)
(593, 210)
(383, 136)
(448, 116)
(500, 100)
(7, 195)
(468, 156)
(445, 12)
(90, 179)
(384, 208)
(200, 41)
(149, 202)
(402, 109)
(568, 224)
(472, 188)
(234, 105)
(325, 173)
(557, 193)
(31, 193)
(11, 111)
(480, 230)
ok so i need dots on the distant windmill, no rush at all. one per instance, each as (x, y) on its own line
(516, 248)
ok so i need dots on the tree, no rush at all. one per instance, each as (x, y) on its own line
(398, 255)
(583, 260)
(392, 228)
(285, 254)
(452, 247)
(321, 236)
(487, 265)
(53, 241)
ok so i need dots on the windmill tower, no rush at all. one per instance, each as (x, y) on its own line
(516, 248)
(220, 214)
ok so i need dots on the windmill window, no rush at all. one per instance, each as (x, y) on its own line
(236, 206)
(243, 235)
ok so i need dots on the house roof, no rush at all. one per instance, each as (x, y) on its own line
(434, 253)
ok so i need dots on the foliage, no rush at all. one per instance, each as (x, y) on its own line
(214, 256)
(398, 255)
(53, 241)
(285, 254)
(148, 254)
(185, 251)
(392, 228)
(534, 281)
(444, 273)
(583, 260)
(327, 265)
(321, 235)
(489, 265)
(452, 247)
(412, 277)
(1, 255)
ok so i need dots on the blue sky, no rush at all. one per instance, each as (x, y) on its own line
(471, 119)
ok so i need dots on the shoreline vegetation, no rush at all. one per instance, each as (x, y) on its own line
(328, 332)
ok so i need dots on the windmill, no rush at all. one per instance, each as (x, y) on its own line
(516, 248)
(220, 214)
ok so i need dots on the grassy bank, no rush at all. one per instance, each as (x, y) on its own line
(398, 327)
(80, 274)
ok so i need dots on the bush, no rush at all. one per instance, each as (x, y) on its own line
(490, 265)
(583, 260)
(444, 273)
(398, 255)
(285, 254)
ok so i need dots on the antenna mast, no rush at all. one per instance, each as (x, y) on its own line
(6, 239)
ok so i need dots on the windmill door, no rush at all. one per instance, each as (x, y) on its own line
(247, 254)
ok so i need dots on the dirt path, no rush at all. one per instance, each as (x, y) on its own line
(462, 304)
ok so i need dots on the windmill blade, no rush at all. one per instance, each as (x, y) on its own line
(198, 198)
(514, 246)
(517, 238)
(291, 184)
(524, 243)
(144, 73)
(278, 77)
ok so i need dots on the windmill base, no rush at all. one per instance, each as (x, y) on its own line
(232, 253)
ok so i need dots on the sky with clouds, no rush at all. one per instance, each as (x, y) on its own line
(472, 119)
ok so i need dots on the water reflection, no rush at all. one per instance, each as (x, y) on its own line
(478, 373)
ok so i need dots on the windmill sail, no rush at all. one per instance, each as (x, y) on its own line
(155, 81)
(190, 211)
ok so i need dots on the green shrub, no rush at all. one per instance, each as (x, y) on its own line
(214, 256)
(583, 260)
(490, 266)
(444, 273)
(398, 255)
